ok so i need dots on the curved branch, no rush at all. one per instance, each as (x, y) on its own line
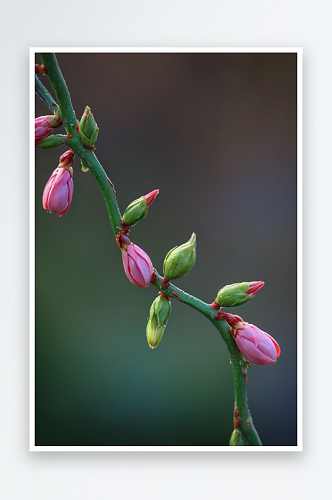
(89, 160)
(245, 424)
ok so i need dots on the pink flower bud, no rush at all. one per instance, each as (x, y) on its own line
(58, 191)
(150, 197)
(256, 345)
(44, 126)
(254, 287)
(136, 263)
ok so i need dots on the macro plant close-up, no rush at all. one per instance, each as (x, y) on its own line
(175, 173)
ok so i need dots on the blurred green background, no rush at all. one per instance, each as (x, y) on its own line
(216, 133)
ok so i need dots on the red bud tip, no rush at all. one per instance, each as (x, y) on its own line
(92, 148)
(151, 197)
(67, 159)
(214, 305)
(69, 136)
(176, 294)
(162, 295)
(254, 287)
(77, 127)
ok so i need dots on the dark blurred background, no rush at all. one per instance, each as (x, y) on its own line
(216, 133)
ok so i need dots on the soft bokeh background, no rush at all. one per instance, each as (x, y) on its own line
(216, 133)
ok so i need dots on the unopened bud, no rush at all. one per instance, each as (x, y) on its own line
(88, 129)
(59, 189)
(138, 209)
(180, 260)
(52, 141)
(159, 313)
(136, 263)
(44, 126)
(238, 439)
(238, 293)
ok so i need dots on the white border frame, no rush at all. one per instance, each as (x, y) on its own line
(298, 50)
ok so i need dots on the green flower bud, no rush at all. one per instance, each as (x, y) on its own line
(180, 260)
(52, 141)
(159, 313)
(88, 129)
(238, 439)
(238, 293)
(138, 209)
(135, 212)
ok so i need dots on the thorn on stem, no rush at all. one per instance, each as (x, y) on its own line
(111, 183)
(40, 68)
(237, 418)
(124, 228)
(153, 277)
(165, 283)
(219, 315)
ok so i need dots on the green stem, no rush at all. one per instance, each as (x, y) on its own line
(90, 161)
(87, 157)
(45, 96)
(58, 83)
(239, 366)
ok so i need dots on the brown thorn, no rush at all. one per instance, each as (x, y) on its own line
(165, 283)
(237, 418)
(153, 277)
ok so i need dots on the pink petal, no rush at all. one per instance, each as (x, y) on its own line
(252, 353)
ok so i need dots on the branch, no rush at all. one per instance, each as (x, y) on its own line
(90, 161)
(239, 366)
(45, 96)
(58, 83)
(87, 157)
